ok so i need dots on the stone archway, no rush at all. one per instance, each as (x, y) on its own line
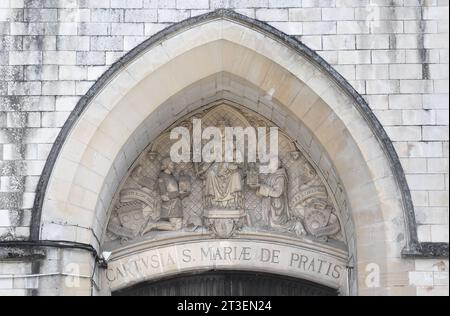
(128, 108)
(287, 222)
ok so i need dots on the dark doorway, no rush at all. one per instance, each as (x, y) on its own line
(228, 284)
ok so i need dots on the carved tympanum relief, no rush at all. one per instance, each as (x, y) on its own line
(223, 199)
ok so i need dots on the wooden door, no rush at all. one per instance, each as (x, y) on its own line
(229, 284)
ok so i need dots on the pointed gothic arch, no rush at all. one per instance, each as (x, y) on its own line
(342, 134)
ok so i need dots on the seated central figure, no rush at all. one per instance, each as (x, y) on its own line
(223, 186)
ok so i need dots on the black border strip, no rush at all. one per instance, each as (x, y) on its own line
(413, 247)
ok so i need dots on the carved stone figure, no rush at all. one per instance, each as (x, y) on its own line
(223, 198)
(223, 186)
(275, 206)
(171, 190)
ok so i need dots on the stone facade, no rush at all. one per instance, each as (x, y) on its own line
(395, 54)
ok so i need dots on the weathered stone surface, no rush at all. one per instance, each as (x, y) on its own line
(396, 54)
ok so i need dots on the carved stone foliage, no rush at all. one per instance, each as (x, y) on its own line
(223, 199)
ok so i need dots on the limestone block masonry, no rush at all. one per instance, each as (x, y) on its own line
(395, 53)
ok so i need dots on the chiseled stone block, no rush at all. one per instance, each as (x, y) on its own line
(305, 14)
(6, 283)
(139, 15)
(126, 3)
(106, 43)
(192, 4)
(25, 58)
(4, 216)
